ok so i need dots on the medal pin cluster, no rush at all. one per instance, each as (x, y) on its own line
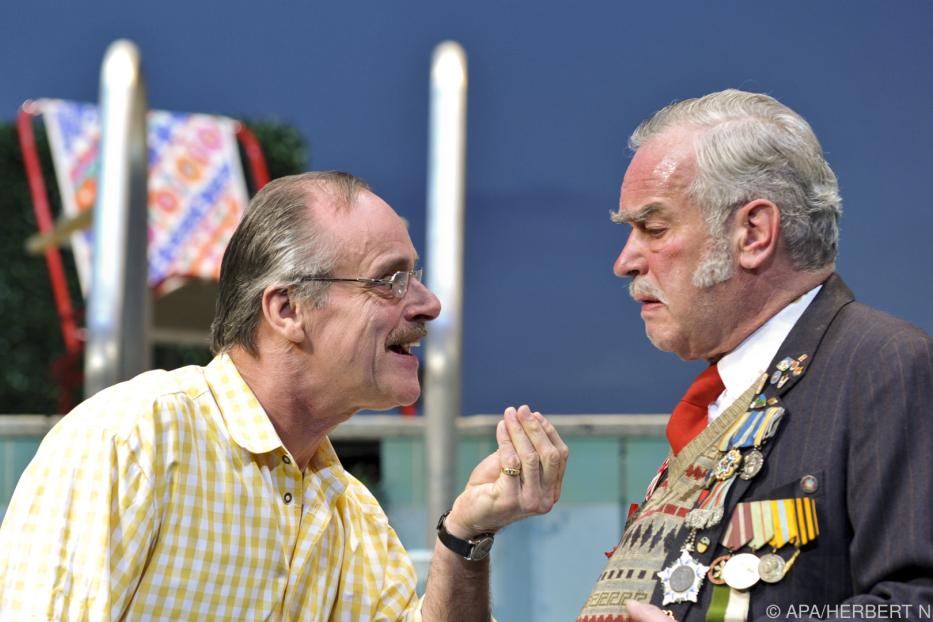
(753, 524)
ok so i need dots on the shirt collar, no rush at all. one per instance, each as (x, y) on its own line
(741, 367)
(250, 426)
(246, 420)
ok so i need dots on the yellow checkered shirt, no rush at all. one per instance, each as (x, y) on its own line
(171, 497)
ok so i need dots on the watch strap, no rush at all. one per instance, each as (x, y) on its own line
(467, 549)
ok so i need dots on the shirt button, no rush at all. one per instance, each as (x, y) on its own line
(287, 497)
(286, 460)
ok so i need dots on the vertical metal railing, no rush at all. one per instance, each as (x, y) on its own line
(444, 271)
(118, 313)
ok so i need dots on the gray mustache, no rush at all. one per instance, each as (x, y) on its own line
(641, 287)
(408, 334)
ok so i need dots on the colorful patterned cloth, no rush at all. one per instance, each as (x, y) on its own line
(197, 194)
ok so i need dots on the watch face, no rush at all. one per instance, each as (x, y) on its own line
(481, 548)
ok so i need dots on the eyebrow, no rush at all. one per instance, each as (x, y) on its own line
(638, 217)
(396, 264)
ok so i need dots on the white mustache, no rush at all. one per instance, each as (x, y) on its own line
(641, 287)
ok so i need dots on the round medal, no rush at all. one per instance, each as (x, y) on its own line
(715, 570)
(751, 464)
(741, 571)
(771, 568)
(682, 578)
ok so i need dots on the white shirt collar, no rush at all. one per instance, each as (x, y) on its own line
(750, 359)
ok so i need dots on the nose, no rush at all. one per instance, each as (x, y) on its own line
(424, 305)
(631, 260)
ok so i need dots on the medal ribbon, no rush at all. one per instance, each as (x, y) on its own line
(769, 425)
(745, 434)
(718, 603)
(739, 531)
(762, 525)
(781, 524)
(734, 430)
(807, 527)
(752, 429)
(737, 607)
(717, 494)
(794, 520)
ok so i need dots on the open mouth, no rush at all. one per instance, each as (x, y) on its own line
(402, 341)
(404, 348)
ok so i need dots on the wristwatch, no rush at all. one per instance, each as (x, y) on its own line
(472, 550)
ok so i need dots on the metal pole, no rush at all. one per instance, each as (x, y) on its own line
(446, 172)
(118, 307)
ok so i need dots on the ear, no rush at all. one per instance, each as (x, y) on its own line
(281, 314)
(757, 230)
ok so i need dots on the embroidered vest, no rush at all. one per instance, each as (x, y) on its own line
(651, 533)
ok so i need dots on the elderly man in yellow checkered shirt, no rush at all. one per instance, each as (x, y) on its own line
(214, 493)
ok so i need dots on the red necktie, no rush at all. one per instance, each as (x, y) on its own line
(690, 416)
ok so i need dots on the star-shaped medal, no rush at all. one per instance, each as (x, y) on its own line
(682, 579)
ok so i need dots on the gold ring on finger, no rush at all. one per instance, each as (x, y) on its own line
(511, 472)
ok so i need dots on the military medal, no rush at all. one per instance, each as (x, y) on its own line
(751, 464)
(771, 568)
(741, 571)
(682, 580)
(714, 575)
(728, 465)
(709, 512)
(751, 524)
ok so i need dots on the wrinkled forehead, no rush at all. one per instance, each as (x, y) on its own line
(665, 163)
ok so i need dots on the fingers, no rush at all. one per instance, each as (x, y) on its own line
(554, 457)
(524, 448)
(543, 457)
(551, 450)
(644, 612)
(508, 457)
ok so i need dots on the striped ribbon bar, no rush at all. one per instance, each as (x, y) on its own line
(752, 429)
(739, 530)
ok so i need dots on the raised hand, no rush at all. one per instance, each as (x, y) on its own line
(522, 478)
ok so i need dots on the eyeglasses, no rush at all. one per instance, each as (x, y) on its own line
(397, 284)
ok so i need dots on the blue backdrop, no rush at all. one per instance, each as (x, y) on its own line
(555, 89)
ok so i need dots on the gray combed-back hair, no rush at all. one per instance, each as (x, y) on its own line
(751, 146)
(277, 241)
